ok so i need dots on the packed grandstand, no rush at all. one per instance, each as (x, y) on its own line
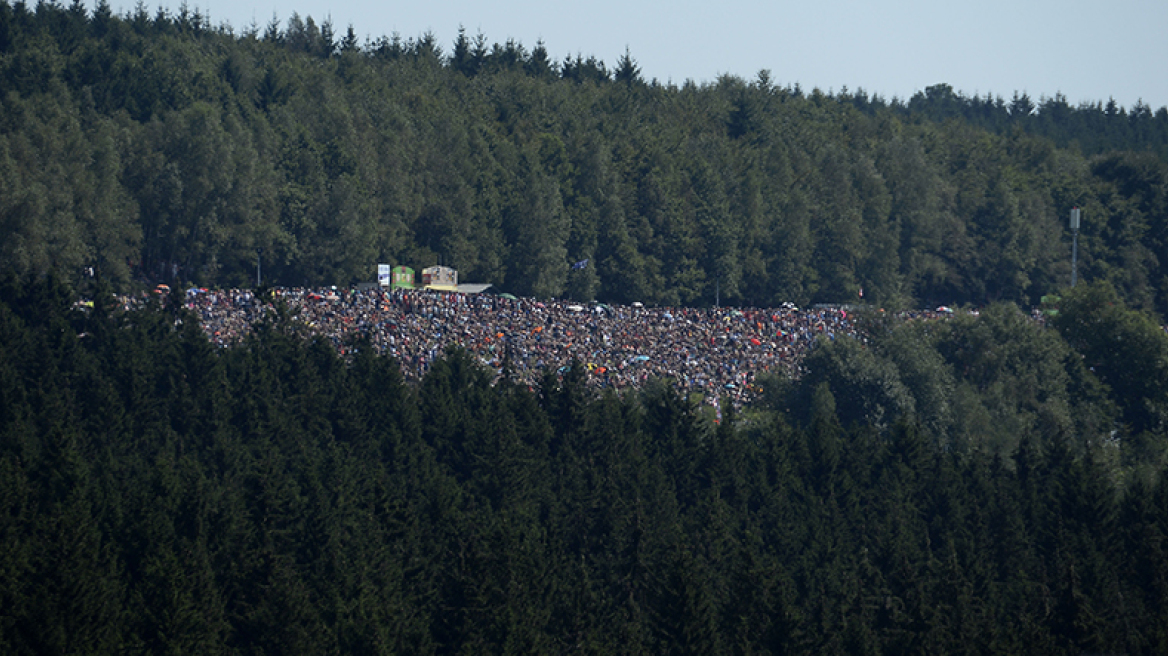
(715, 352)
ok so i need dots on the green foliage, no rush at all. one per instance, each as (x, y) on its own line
(332, 156)
(160, 495)
(977, 383)
(944, 487)
(1128, 352)
(865, 388)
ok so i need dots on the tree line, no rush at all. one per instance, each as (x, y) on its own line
(157, 146)
(978, 485)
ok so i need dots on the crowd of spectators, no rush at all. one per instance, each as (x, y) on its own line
(715, 352)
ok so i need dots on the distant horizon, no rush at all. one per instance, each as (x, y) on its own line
(1086, 53)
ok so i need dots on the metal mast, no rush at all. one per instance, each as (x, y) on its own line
(1075, 212)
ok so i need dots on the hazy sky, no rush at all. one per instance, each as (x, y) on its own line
(1088, 51)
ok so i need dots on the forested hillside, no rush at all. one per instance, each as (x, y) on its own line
(991, 482)
(154, 146)
(955, 487)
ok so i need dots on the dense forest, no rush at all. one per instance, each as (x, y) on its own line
(988, 482)
(976, 485)
(156, 146)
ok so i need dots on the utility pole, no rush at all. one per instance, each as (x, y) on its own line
(1075, 212)
(259, 261)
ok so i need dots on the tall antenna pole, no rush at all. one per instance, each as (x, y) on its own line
(1075, 212)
